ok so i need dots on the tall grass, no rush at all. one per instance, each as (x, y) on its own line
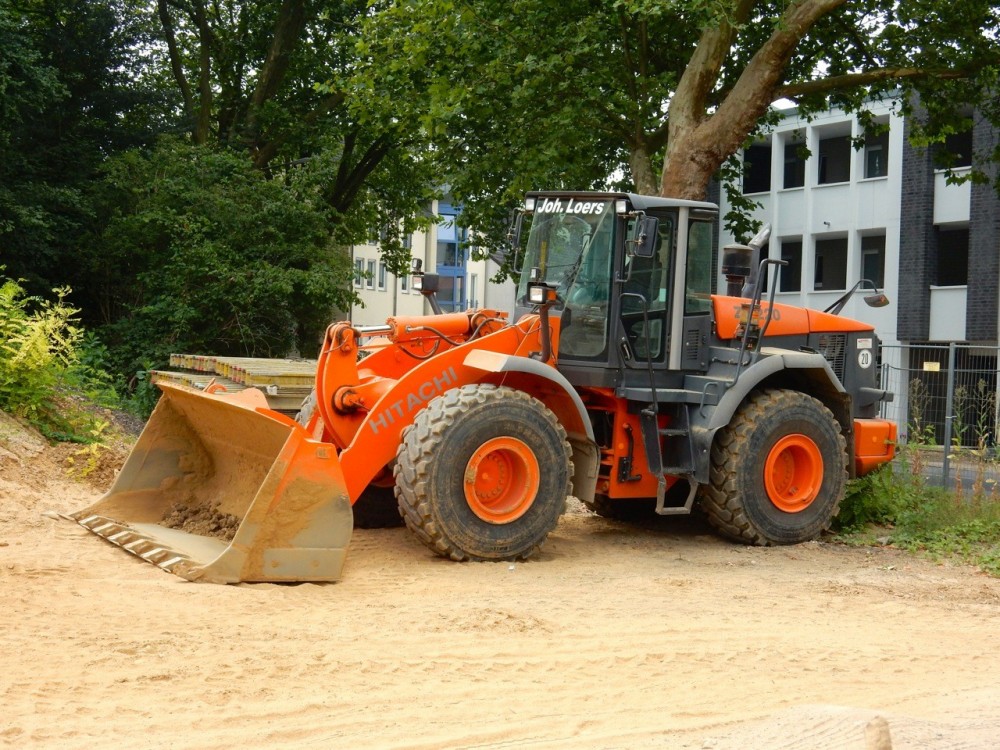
(895, 506)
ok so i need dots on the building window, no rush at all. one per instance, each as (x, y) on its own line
(795, 165)
(953, 257)
(757, 168)
(381, 275)
(370, 281)
(876, 154)
(451, 292)
(407, 241)
(404, 283)
(359, 272)
(834, 160)
(448, 249)
(791, 275)
(831, 264)
(873, 259)
(956, 150)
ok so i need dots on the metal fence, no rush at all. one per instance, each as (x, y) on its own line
(946, 404)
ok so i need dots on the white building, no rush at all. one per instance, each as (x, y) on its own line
(883, 211)
(834, 215)
(444, 249)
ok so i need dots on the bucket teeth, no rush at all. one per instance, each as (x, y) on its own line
(132, 541)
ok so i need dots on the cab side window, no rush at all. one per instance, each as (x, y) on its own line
(698, 277)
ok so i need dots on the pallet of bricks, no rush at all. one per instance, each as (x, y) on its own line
(285, 382)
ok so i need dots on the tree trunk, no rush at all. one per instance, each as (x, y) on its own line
(699, 143)
(641, 167)
(205, 94)
(288, 29)
(694, 154)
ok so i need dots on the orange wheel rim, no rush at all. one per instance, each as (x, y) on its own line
(501, 480)
(793, 473)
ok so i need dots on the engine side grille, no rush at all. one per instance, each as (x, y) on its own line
(832, 346)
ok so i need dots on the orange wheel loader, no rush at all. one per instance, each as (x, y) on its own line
(621, 379)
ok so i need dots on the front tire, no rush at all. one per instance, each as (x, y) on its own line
(483, 473)
(778, 470)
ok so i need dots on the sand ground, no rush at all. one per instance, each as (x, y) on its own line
(616, 636)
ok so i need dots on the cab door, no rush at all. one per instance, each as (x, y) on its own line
(645, 298)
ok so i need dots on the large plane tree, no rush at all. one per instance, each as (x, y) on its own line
(660, 94)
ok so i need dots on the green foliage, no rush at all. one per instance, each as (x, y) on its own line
(206, 254)
(921, 431)
(523, 96)
(535, 94)
(85, 460)
(944, 525)
(70, 96)
(738, 220)
(282, 87)
(41, 370)
(895, 505)
(876, 498)
(140, 393)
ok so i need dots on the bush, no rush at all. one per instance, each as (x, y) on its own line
(42, 372)
(876, 498)
(209, 256)
(895, 506)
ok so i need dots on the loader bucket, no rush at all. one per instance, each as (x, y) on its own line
(207, 460)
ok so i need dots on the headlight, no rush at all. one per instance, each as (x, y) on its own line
(541, 294)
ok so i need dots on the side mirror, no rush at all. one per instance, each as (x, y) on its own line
(646, 229)
(876, 300)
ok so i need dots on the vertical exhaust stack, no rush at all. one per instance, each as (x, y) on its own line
(737, 263)
(740, 264)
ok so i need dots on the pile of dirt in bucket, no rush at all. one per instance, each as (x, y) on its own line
(204, 520)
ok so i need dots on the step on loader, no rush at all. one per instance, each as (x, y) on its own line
(621, 379)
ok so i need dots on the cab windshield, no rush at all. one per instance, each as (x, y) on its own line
(571, 242)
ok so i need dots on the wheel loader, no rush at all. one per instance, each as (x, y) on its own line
(620, 379)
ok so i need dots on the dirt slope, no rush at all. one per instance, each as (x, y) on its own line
(616, 637)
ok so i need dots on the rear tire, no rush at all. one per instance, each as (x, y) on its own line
(377, 508)
(778, 470)
(483, 473)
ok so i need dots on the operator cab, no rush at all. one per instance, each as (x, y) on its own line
(613, 259)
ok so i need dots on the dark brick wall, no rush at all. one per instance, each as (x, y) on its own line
(917, 242)
(984, 245)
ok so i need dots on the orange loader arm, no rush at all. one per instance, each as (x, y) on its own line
(364, 405)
